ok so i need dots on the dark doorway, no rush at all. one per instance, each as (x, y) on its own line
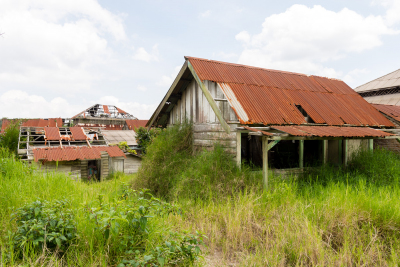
(312, 153)
(252, 150)
(93, 170)
(284, 155)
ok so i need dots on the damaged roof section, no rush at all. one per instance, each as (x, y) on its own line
(134, 124)
(115, 137)
(270, 97)
(391, 111)
(75, 153)
(104, 111)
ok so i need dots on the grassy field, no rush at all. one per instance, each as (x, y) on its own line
(327, 217)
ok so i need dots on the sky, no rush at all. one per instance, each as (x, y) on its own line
(57, 58)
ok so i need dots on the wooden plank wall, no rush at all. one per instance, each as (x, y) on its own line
(193, 106)
(132, 164)
(70, 168)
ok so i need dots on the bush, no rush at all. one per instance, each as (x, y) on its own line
(172, 170)
(43, 225)
(9, 139)
(144, 137)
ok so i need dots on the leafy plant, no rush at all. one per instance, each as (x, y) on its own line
(9, 138)
(124, 146)
(144, 137)
(44, 225)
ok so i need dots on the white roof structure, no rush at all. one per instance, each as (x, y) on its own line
(384, 90)
(117, 136)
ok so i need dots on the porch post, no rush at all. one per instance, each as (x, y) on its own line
(301, 153)
(324, 151)
(239, 149)
(371, 144)
(340, 151)
(345, 151)
(265, 161)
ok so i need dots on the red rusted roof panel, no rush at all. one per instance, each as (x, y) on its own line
(391, 111)
(121, 111)
(256, 130)
(263, 96)
(331, 131)
(75, 153)
(133, 124)
(78, 133)
(105, 108)
(52, 133)
(4, 125)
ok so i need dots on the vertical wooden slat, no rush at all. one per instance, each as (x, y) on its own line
(345, 151)
(324, 151)
(301, 153)
(178, 113)
(191, 101)
(196, 97)
(265, 161)
(183, 106)
(371, 144)
(340, 149)
(239, 149)
(187, 104)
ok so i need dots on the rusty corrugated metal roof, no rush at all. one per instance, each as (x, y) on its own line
(391, 111)
(256, 130)
(105, 108)
(78, 133)
(52, 133)
(75, 153)
(133, 124)
(52, 122)
(4, 125)
(263, 96)
(331, 131)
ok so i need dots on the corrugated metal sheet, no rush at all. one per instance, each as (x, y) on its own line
(105, 108)
(389, 80)
(4, 125)
(52, 133)
(256, 130)
(115, 137)
(133, 124)
(52, 122)
(331, 131)
(75, 153)
(391, 111)
(262, 96)
(121, 111)
(78, 133)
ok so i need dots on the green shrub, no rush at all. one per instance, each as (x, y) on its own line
(41, 224)
(9, 139)
(144, 137)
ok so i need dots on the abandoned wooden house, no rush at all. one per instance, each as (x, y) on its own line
(384, 94)
(133, 161)
(268, 118)
(82, 153)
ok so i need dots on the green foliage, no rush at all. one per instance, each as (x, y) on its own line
(41, 224)
(172, 170)
(124, 147)
(144, 137)
(9, 139)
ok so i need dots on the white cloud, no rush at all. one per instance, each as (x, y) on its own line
(55, 45)
(167, 80)
(142, 55)
(20, 104)
(142, 88)
(392, 10)
(303, 39)
(205, 14)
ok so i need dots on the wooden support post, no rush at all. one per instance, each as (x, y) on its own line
(340, 151)
(238, 149)
(324, 151)
(301, 153)
(371, 144)
(265, 161)
(345, 151)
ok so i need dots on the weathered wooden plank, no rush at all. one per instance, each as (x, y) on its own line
(239, 149)
(265, 161)
(178, 114)
(191, 95)
(196, 99)
(210, 99)
(214, 136)
(345, 151)
(212, 143)
(324, 151)
(212, 127)
(301, 153)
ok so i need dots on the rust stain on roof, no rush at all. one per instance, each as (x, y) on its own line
(134, 124)
(391, 111)
(75, 153)
(52, 133)
(53, 122)
(331, 131)
(263, 96)
(78, 133)
(105, 108)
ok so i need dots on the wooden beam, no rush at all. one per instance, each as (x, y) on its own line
(256, 133)
(272, 144)
(301, 153)
(340, 151)
(324, 151)
(210, 99)
(239, 149)
(265, 161)
(345, 151)
(371, 144)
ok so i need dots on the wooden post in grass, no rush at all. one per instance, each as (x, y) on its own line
(371, 144)
(265, 161)
(340, 151)
(324, 151)
(238, 149)
(345, 151)
(301, 153)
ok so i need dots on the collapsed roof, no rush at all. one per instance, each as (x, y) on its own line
(104, 111)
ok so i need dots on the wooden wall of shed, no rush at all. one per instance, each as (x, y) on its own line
(70, 168)
(132, 164)
(193, 106)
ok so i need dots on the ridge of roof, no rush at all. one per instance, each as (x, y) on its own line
(258, 68)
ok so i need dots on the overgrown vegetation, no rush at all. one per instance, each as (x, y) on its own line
(329, 216)
(144, 137)
(9, 139)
